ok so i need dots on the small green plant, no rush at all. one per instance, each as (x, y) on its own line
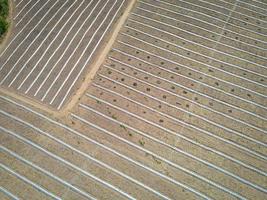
(113, 117)
(156, 160)
(129, 133)
(122, 126)
(141, 142)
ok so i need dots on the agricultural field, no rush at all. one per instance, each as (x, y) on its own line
(167, 101)
(52, 45)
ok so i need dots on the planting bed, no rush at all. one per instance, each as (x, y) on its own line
(177, 110)
(53, 44)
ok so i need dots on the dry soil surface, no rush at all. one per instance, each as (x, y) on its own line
(173, 107)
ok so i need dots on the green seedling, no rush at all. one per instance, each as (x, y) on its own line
(156, 160)
(122, 126)
(141, 142)
(129, 133)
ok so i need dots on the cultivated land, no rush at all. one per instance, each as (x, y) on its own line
(171, 104)
(53, 44)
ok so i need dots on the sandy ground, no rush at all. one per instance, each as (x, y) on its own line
(173, 106)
